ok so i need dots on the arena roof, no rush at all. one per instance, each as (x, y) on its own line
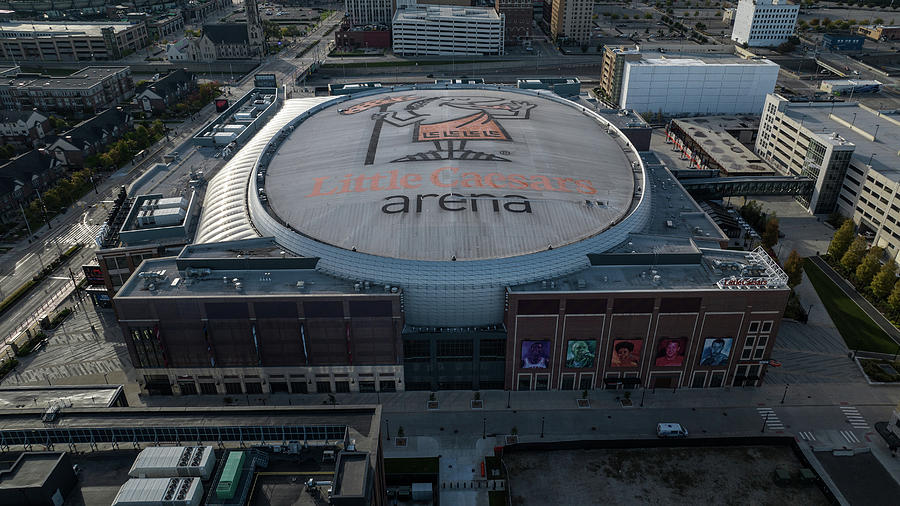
(449, 174)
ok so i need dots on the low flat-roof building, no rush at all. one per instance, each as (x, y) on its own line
(37, 478)
(879, 32)
(707, 144)
(141, 227)
(351, 434)
(562, 86)
(83, 92)
(30, 41)
(448, 30)
(62, 395)
(843, 42)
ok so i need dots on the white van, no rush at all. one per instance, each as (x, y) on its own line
(670, 430)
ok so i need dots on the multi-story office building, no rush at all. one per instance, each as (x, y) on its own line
(368, 12)
(447, 30)
(764, 22)
(570, 21)
(612, 67)
(84, 92)
(82, 41)
(519, 18)
(852, 153)
(708, 84)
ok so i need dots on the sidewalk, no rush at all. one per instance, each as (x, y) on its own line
(859, 394)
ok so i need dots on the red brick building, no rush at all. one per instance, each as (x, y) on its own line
(519, 19)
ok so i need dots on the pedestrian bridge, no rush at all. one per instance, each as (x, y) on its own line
(747, 186)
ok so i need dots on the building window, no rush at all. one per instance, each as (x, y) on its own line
(323, 387)
(542, 382)
(387, 386)
(767, 326)
(699, 379)
(455, 350)
(524, 382)
(233, 388)
(568, 382)
(254, 387)
(298, 387)
(366, 386)
(208, 388)
(586, 382)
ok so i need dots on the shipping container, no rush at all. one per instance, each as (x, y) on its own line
(231, 475)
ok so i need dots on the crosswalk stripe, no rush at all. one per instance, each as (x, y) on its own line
(850, 436)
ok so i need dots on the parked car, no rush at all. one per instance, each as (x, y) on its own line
(670, 430)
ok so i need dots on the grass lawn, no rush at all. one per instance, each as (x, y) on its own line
(855, 326)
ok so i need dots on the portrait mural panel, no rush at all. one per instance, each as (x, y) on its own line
(626, 353)
(670, 352)
(716, 351)
(535, 354)
(580, 353)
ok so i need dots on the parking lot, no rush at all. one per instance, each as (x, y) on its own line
(719, 475)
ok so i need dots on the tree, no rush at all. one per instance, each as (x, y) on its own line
(894, 298)
(869, 266)
(841, 240)
(885, 280)
(814, 22)
(854, 254)
(793, 267)
(770, 235)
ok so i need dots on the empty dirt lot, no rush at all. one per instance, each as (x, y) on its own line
(733, 475)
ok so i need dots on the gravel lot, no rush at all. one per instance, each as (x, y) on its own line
(732, 475)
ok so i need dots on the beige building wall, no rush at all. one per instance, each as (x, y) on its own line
(572, 20)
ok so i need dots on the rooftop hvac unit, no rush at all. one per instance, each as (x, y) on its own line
(170, 491)
(185, 457)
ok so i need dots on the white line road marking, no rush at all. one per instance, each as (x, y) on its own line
(807, 436)
(771, 419)
(856, 420)
(24, 259)
(850, 436)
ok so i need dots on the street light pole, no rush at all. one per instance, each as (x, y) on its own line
(509, 392)
(542, 427)
(388, 427)
(765, 421)
(785, 393)
(484, 428)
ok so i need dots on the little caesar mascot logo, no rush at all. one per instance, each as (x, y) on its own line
(477, 121)
(473, 120)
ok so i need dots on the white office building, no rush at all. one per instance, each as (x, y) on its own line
(369, 12)
(697, 85)
(850, 150)
(761, 23)
(448, 30)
